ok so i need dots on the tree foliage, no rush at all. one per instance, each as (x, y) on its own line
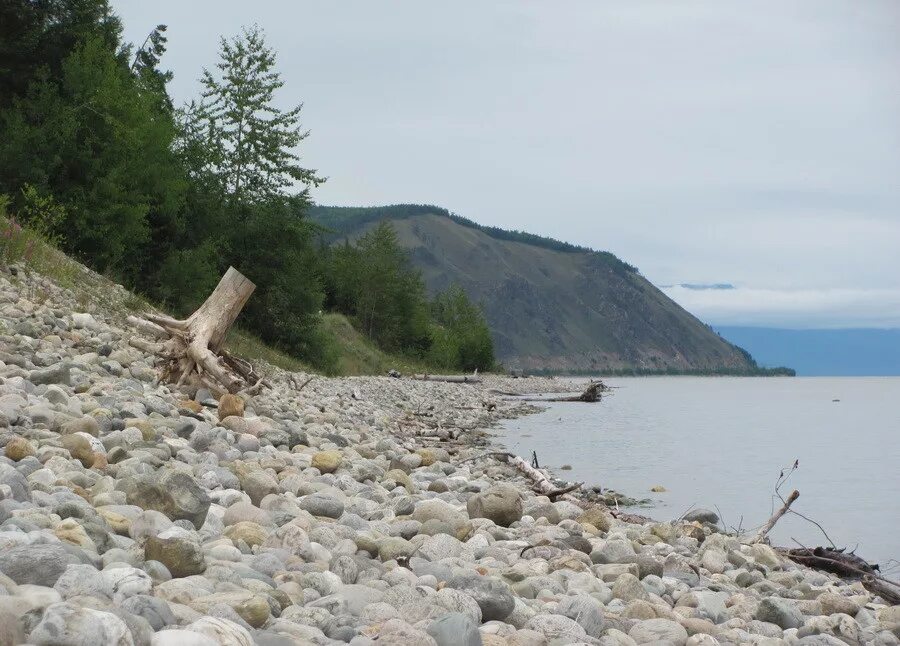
(252, 141)
(96, 156)
(93, 139)
(461, 338)
(374, 283)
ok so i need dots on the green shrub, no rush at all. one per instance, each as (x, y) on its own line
(42, 214)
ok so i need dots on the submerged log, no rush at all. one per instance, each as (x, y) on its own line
(192, 352)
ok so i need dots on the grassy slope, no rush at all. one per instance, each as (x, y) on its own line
(564, 310)
(358, 355)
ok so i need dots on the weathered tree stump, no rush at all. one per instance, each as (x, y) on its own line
(191, 350)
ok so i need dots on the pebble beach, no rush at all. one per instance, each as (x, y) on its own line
(367, 510)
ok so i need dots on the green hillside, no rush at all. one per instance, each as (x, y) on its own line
(550, 305)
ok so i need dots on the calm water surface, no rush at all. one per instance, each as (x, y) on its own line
(722, 442)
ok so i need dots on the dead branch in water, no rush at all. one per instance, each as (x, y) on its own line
(774, 519)
(830, 559)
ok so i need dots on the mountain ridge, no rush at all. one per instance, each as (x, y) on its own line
(551, 305)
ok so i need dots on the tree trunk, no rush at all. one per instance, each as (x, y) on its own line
(192, 353)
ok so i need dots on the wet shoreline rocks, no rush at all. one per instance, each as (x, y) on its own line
(132, 513)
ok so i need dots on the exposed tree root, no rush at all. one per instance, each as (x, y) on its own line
(191, 352)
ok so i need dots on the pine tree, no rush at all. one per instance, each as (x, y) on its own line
(146, 66)
(253, 141)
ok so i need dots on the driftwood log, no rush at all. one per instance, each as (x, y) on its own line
(830, 559)
(451, 379)
(591, 394)
(847, 565)
(540, 482)
(190, 351)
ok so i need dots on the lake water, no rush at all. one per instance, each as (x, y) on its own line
(721, 442)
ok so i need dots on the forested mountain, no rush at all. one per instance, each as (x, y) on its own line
(549, 304)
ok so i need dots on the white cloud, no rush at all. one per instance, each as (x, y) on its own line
(795, 308)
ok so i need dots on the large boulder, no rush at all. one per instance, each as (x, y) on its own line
(435, 509)
(584, 610)
(155, 610)
(182, 556)
(501, 503)
(258, 484)
(652, 631)
(613, 551)
(172, 493)
(180, 637)
(83, 447)
(18, 448)
(18, 485)
(701, 516)
(65, 624)
(598, 517)
(780, 612)
(10, 630)
(322, 505)
(557, 627)
(492, 595)
(222, 631)
(455, 629)
(230, 406)
(60, 373)
(39, 564)
(627, 587)
(327, 461)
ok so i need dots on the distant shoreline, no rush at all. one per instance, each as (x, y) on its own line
(780, 371)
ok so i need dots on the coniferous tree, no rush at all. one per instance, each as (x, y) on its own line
(253, 140)
(146, 66)
(96, 141)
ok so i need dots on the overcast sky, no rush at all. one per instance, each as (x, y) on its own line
(708, 141)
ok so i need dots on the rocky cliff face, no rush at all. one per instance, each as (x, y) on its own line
(551, 307)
